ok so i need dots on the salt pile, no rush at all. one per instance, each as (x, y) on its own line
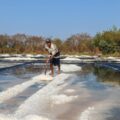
(85, 115)
(15, 90)
(70, 68)
(19, 58)
(62, 99)
(71, 59)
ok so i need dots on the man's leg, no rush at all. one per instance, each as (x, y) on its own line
(58, 69)
(58, 64)
(51, 68)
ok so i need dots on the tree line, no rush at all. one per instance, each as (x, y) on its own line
(103, 43)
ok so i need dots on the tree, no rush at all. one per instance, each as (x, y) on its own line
(108, 41)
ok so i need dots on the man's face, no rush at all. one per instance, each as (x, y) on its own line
(49, 44)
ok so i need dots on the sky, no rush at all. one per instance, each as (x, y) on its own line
(58, 18)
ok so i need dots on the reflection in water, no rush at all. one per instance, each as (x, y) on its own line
(102, 74)
(26, 71)
(107, 104)
(107, 75)
(115, 114)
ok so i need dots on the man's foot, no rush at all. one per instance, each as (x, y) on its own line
(58, 72)
(51, 74)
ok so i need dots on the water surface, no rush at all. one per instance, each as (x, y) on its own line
(97, 89)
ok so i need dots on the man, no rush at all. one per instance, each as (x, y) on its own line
(54, 56)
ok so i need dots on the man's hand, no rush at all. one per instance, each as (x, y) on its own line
(47, 61)
(51, 57)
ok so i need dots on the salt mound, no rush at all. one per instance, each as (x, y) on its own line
(4, 55)
(43, 77)
(70, 91)
(40, 101)
(5, 117)
(29, 117)
(71, 59)
(19, 58)
(15, 90)
(34, 117)
(70, 68)
(62, 99)
(86, 114)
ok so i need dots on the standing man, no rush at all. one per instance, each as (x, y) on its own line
(54, 56)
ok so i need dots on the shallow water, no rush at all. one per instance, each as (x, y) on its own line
(16, 76)
(92, 93)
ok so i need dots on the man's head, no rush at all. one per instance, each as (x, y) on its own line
(48, 42)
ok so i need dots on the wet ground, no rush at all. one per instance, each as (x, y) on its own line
(94, 92)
